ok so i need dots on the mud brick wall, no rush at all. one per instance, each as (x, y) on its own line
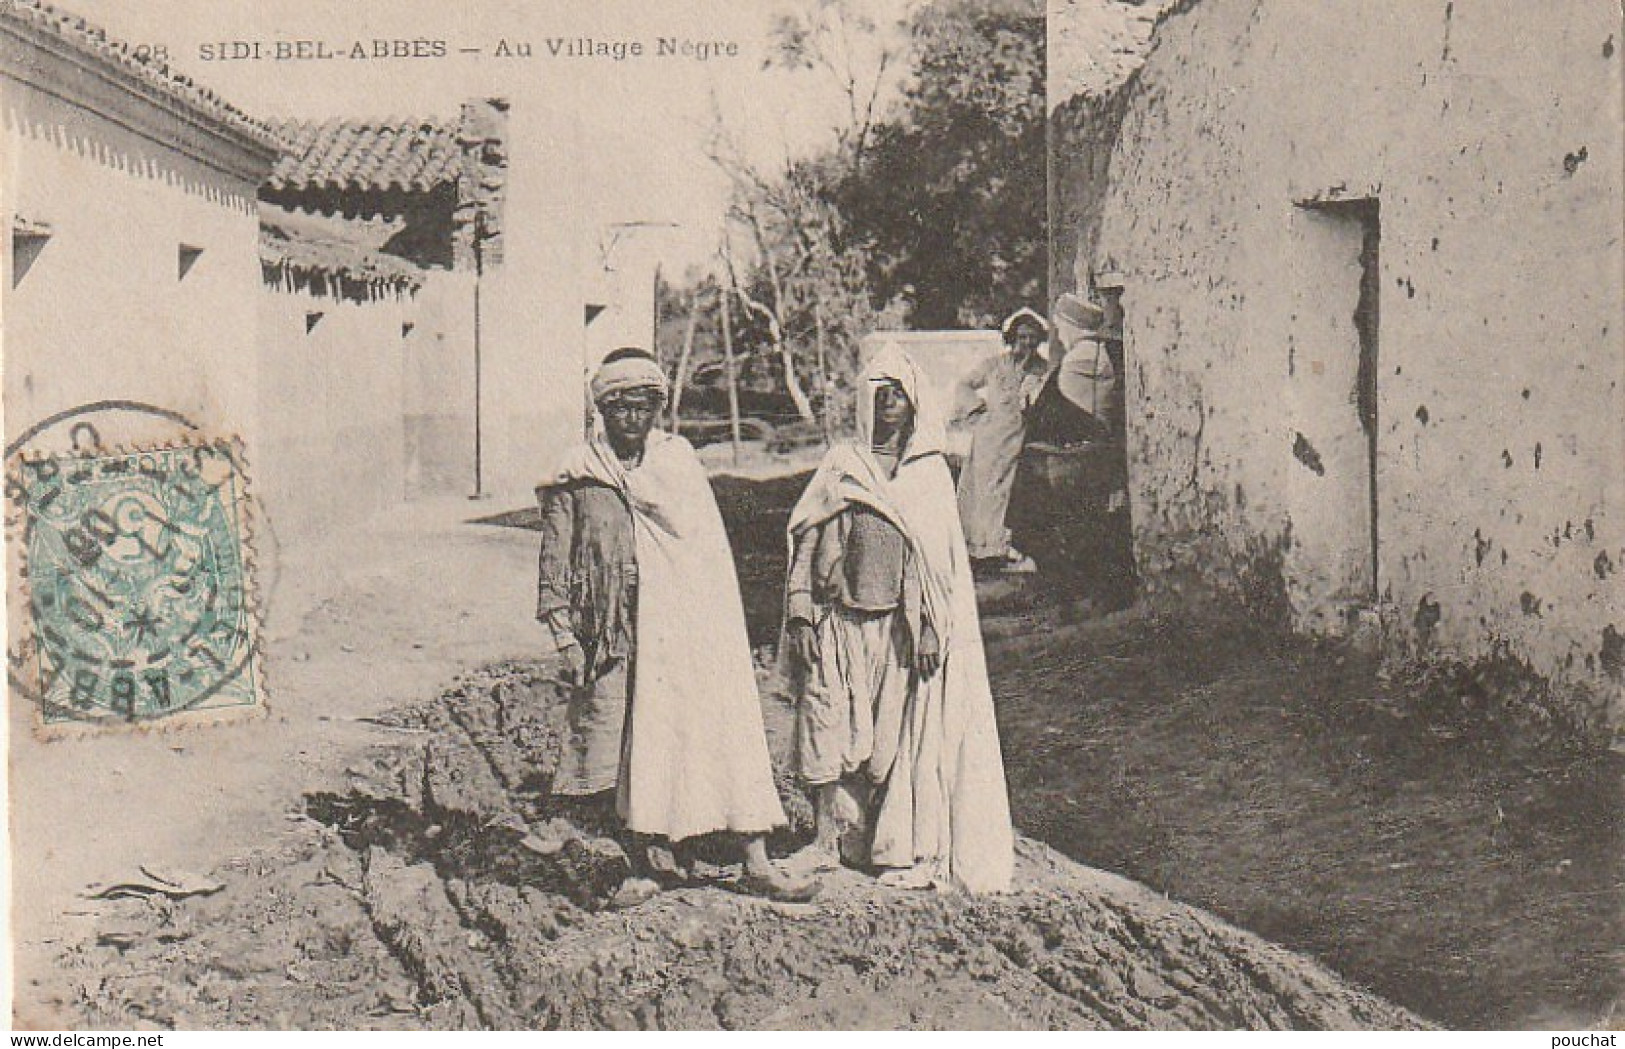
(438, 387)
(1095, 48)
(1082, 134)
(332, 455)
(533, 344)
(1488, 135)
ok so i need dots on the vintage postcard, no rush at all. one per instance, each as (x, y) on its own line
(814, 514)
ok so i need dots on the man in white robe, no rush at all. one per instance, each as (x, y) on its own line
(694, 756)
(993, 399)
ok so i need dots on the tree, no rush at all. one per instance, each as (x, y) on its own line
(806, 295)
(806, 285)
(687, 332)
(952, 199)
(842, 40)
(930, 210)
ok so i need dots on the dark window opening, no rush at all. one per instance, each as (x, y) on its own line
(186, 258)
(28, 239)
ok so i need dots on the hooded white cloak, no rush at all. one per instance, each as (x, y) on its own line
(945, 802)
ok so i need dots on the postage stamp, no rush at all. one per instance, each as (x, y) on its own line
(132, 593)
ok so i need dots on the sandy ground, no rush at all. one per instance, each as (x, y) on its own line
(368, 857)
(1278, 785)
(1417, 837)
(443, 887)
(389, 616)
(1455, 866)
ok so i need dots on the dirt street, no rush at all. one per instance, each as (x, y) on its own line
(443, 888)
(378, 840)
(388, 617)
(1470, 876)
(1407, 834)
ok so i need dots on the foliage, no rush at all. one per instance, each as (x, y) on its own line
(927, 215)
(952, 201)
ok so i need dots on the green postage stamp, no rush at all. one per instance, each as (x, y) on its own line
(132, 600)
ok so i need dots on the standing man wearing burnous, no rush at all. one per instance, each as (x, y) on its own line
(638, 590)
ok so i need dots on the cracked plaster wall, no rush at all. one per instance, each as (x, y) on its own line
(1489, 131)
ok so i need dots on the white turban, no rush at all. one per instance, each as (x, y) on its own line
(1007, 329)
(627, 373)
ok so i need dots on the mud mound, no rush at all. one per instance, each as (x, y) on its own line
(445, 889)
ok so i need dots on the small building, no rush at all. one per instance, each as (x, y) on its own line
(129, 205)
(311, 288)
(378, 237)
(1368, 262)
(494, 340)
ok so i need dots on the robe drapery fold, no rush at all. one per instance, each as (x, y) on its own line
(943, 797)
(696, 756)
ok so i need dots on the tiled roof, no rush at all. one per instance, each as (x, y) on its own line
(368, 155)
(342, 248)
(38, 22)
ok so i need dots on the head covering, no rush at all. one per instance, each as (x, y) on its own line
(1008, 328)
(1078, 314)
(891, 364)
(631, 371)
(1076, 318)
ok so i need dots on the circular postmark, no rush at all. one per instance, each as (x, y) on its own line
(136, 592)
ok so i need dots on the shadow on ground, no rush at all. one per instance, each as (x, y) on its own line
(446, 888)
(1283, 786)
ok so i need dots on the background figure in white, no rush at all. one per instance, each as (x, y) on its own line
(1084, 373)
(993, 399)
(1078, 404)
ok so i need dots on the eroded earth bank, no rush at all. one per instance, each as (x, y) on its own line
(444, 888)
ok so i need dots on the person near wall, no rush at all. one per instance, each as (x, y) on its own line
(637, 588)
(993, 399)
(895, 729)
(1077, 457)
(1075, 404)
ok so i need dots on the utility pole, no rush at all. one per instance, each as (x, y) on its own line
(479, 272)
(654, 332)
(823, 374)
(733, 378)
(681, 378)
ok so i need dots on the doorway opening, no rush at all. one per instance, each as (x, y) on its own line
(1334, 370)
(1109, 295)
